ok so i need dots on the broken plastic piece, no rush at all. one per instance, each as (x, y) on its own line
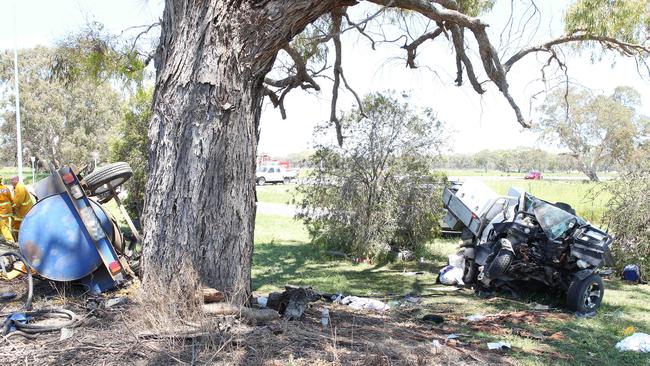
(499, 345)
(637, 342)
(475, 317)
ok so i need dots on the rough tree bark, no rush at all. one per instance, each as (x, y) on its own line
(200, 198)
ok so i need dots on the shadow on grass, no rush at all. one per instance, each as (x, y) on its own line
(582, 341)
(275, 265)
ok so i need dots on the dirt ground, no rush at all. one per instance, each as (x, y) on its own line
(122, 335)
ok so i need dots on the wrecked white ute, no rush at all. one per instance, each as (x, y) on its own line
(516, 240)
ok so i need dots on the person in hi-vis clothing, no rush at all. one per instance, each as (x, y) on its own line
(22, 202)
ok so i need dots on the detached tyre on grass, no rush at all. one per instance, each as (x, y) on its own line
(112, 174)
(585, 295)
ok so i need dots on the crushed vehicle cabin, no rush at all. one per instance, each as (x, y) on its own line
(518, 239)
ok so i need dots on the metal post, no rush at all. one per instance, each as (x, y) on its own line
(19, 141)
(33, 160)
(117, 199)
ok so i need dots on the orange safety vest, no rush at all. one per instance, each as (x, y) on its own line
(22, 201)
(6, 202)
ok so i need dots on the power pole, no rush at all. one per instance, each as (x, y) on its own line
(19, 141)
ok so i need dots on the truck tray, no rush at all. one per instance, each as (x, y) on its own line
(457, 211)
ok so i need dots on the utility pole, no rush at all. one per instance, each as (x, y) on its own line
(19, 141)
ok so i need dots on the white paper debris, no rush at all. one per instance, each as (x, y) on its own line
(475, 317)
(638, 342)
(66, 333)
(499, 345)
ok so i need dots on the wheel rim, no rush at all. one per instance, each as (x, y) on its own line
(592, 295)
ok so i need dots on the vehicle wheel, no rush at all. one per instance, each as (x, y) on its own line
(470, 272)
(261, 181)
(114, 174)
(585, 295)
(499, 264)
(286, 180)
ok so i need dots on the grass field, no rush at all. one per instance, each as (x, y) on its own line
(7, 173)
(587, 198)
(498, 173)
(283, 256)
(276, 193)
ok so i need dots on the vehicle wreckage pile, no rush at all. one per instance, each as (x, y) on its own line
(513, 241)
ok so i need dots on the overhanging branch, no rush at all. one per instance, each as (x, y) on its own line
(625, 48)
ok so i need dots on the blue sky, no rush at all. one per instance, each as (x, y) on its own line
(477, 122)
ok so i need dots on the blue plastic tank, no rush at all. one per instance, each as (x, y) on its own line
(54, 241)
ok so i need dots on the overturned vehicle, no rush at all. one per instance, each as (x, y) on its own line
(516, 240)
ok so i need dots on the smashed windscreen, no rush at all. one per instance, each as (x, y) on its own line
(554, 221)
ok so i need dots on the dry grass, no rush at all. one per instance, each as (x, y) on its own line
(137, 334)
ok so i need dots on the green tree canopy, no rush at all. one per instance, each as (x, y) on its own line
(60, 121)
(131, 144)
(597, 130)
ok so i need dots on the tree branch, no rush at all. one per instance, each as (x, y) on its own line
(337, 16)
(442, 11)
(625, 48)
(411, 48)
(462, 59)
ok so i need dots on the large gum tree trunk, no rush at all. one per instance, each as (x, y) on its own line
(199, 213)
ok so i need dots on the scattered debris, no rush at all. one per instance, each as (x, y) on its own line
(362, 260)
(499, 345)
(436, 344)
(628, 331)
(637, 342)
(254, 315)
(451, 275)
(325, 317)
(359, 303)
(412, 273)
(211, 295)
(632, 273)
(291, 303)
(444, 288)
(66, 333)
(405, 255)
(115, 301)
(412, 299)
(541, 307)
(475, 317)
(437, 319)
(7, 295)
(452, 336)
(262, 301)
(456, 260)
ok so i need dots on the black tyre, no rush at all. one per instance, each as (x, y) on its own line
(261, 181)
(286, 180)
(470, 272)
(499, 264)
(112, 174)
(585, 295)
